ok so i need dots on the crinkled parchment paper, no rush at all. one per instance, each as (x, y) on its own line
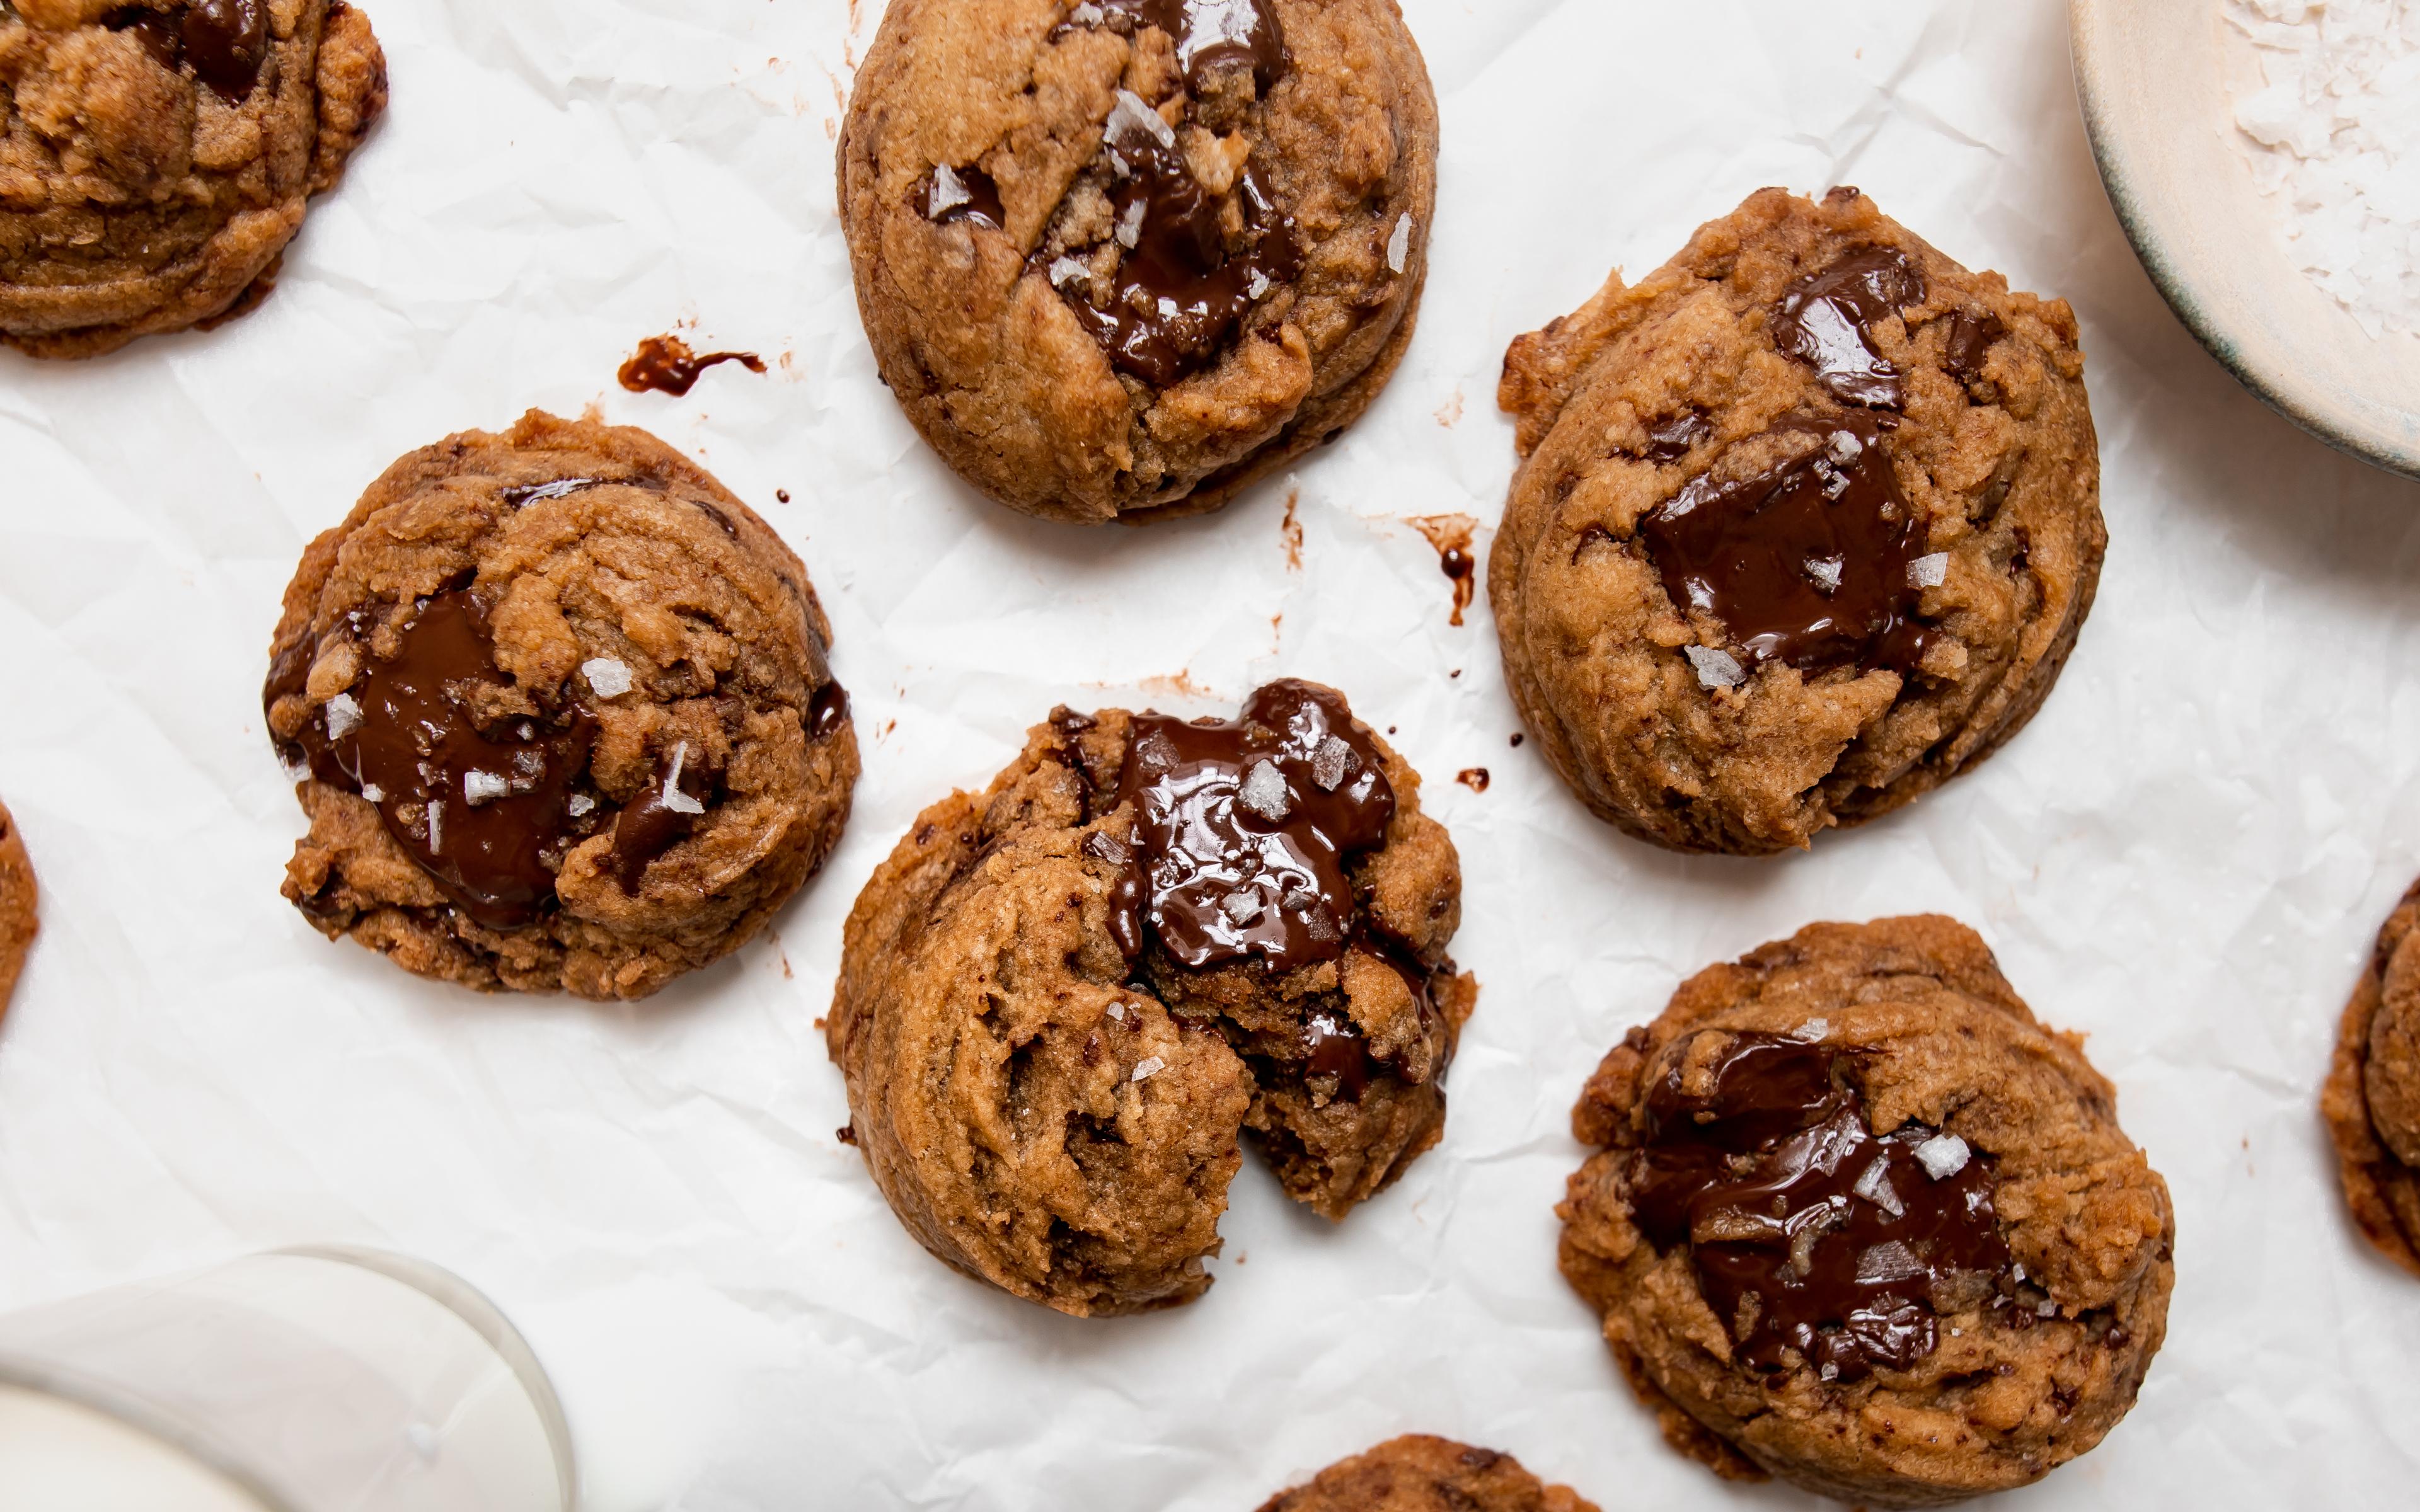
(2185, 856)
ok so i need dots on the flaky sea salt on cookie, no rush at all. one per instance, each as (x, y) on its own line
(1063, 1002)
(1806, 526)
(1119, 258)
(561, 715)
(156, 156)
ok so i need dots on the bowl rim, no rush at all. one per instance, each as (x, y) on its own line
(2177, 288)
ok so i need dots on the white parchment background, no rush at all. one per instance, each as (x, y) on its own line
(2186, 855)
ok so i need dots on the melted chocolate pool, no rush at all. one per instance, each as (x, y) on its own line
(1826, 320)
(486, 811)
(225, 42)
(1808, 1233)
(1210, 34)
(1805, 561)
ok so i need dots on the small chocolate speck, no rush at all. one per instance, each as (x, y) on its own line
(1475, 779)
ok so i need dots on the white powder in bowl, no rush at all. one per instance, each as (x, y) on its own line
(2336, 138)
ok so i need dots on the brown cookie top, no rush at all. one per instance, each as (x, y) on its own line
(1859, 1221)
(562, 712)
(1808, 523)
(2372, 1097)
(19, 907)
(155, 156)
(1061, 1002)
(1420, 1473)
(1117, 258)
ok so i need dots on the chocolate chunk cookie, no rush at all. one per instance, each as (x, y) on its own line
(19, 907)
(156, 155)
(1859, 1221)
(561, 714)
(1420, 1473)
(1119, 258)
(1061, 1002)
(1807, 525)
(2372, 1098)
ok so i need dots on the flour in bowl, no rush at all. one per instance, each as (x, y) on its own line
(2336, 132)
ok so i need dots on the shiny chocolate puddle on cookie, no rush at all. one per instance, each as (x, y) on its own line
(1810, 561)
(487, 812)
(1179, 291)
(1807, 1232)
(1243, 827)
(1826, 320)
(224, 41)
(1208, 33)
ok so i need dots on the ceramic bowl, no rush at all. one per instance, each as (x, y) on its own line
(2154, 78)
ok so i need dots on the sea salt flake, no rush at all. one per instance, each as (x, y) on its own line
(608, 678)
(484, 787)
(1845, 448)
(1716, 669)
(1875, 1187)
(1812, 1030)
(1130, 226)
(674, 800)
(1944, 1156)
(1118, 1011)
(1131, 116)
(948, 192)
(1332, 763)
(2047, 1309)
(580, 805)
(1149, 1066)
(1243, 908)
(1929, 572)
(344, 716)
(1399, 246)
(1087, 14)
(1888, 1261)
(1824, 572)
(1266, 792)
(437, 826)
(372, 793)
(1256, 286)
(1068, 270)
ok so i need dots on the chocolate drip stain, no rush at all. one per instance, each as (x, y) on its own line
(1209, 34)
(1243, 827)
(1179, 291)
(660, 818)
(1806, 561)
(1807, 1232)
(1450, 535)
(1826, 320)
(827, 711)
(666, 366)
(226, 42)
(485, 812)
(954, 195)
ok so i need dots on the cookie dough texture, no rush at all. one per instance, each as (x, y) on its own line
(19, 907)
(1646, 389)
(601, 558)
(156, 157)
(1050, 1116)
(1422, 1474)
(2026, 1374)
(2372, 1098)
(991, 359)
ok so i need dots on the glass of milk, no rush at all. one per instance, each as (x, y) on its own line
(302, 1381)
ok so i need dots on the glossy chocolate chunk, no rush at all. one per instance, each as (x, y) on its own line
(1669, 441)
(1973, 333)
(224, 41)
(1209, 33)
(1806, 561)
(1807, 1232)
(1242, 827)
(660, 818)
(1826, 320)
(486, 810)
(827, 711)
(1179, 291)
(954, 195)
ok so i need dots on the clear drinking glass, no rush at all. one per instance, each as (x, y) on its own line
(323, 1380)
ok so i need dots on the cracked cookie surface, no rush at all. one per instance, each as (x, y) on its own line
(1859, 1221)
(564, 713)
(156, 157)
(1119, 258)
(1422, 1474)
(19, 907)
(1807, 525)
(1063, 1001)
(2372, 1098)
